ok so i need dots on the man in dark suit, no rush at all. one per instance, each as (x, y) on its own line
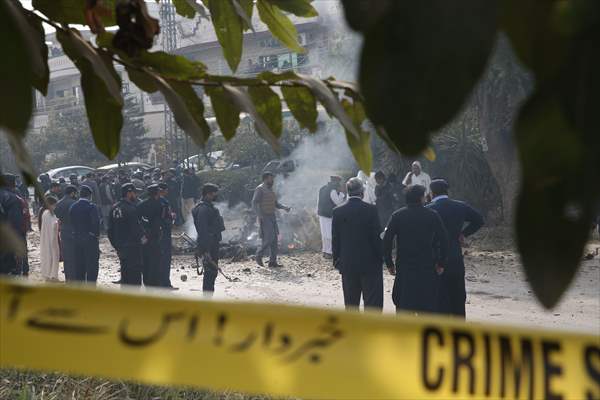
(85, 220)
(357, 249)
(461, 220)
(67, 239)
(421, 248)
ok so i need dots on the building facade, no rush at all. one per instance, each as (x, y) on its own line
(196, 40)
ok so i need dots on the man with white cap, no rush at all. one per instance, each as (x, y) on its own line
(417, 177)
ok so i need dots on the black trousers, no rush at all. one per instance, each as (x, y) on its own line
(86, 258)
(452, 293)
(210, 269)
(24, 261)
(67, 246)
(370, 286)
(151, 258)
(8, 263)
(165, 261)
(131, 265)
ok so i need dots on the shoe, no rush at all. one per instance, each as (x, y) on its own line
(327, 256)
(259, 261)
(275, 265)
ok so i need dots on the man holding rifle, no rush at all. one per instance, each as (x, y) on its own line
(209, 226)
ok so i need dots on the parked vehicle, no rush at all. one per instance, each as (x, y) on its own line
(64, 172)
(133, 166)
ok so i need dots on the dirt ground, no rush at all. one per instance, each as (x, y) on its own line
(496, 287)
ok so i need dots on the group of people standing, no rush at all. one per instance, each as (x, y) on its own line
(73, 214)
(427, 235)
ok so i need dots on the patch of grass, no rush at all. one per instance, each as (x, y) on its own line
(25, 385)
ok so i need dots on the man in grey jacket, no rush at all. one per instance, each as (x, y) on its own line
(265, 204)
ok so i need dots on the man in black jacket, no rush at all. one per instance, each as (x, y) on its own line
(421, 249)
(126, 235)
(85, 219)
(209, 226)
(384, 194)
(357, 249)
(11, 213)
(150, 212)
(331, 195)
(67, 239)
(454, 214)
(189, 191)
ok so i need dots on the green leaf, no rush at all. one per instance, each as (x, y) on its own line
(227, 114)
(101, 88)
(16, 72)
(279, 24)
(186, 107)
(72, 11)
(41, 72)
(171, 65)
(301, 8)
(242, 100)
(142, 80)
(244, 9)
(361, 15)
(228, 27)
(268, 106)
(272, 77)
(556, 159)
(199, 8)
(183, 8)
(196, 108)
(331, 103)
(419, 66)
(360, 147)
(302, 105)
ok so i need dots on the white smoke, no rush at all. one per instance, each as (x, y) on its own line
(317, 157)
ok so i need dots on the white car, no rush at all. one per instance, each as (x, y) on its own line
(64, 172)
(126, 165)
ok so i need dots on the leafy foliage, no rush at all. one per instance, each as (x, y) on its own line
(416, 53)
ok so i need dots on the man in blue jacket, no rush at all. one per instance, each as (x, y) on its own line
(85, 221)
(461, 220)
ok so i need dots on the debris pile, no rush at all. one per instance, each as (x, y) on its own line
(299, 231)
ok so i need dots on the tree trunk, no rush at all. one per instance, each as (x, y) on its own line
(498, 98)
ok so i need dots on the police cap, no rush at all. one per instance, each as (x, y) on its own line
(70, 189)
(126, 188)
(85, 190)
(152, 189)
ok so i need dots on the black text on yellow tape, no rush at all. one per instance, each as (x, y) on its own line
(284, 350)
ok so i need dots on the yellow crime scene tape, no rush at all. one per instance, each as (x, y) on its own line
(285, 350)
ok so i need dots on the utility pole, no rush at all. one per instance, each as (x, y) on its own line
(175, 147)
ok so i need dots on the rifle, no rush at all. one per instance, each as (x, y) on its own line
(213, 265)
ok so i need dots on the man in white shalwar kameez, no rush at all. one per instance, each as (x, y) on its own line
(330, 196)
(49, 247)
(369, 184)
(417, 176)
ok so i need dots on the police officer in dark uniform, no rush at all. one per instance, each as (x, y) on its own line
(85, 220)
(150, 211)
(126, 235)
(167, 219)
(11, 212)
(66, 231)
(209, 225)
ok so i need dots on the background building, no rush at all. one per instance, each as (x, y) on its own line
(196, 40)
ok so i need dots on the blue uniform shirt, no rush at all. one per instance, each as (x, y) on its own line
(85, 218)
